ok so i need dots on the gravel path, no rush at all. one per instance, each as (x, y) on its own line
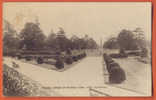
(138, 75)
(88, 75)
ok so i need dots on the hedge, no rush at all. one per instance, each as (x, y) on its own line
(120, 55)
(117, 74)
(39, 60)
(28, 58)
(68, 60)
(59, 63)
(75, 58)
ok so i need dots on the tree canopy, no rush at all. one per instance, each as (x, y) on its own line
(127, 40)
(32, 37)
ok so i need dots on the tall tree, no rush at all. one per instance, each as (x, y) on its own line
(91, 44)
(62, 41)
(51, 41)
(111, 43)
(10, 38)
(140, 38)
(126, 40)
(32, 36)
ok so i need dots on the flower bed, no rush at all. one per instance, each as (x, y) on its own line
(16, 84)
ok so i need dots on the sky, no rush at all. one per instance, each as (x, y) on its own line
(98, 20)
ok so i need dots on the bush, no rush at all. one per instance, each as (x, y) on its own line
(19, 57)
(107, 58)
(16, 84)
(117, 74)
(144, 52)
(68, 60)
(85, 54)
(108, 65)
(78, 56)
(39, 60)
(27, 58)
(81, 56)
(104, 56)
(75, 58)
(120, 55)
(59, 63)
(134, 53)
(125, 55)
(12, 85)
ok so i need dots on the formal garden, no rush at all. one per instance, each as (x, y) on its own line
(59, 53)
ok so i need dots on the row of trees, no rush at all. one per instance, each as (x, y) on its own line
(32, 37)
(128, 40)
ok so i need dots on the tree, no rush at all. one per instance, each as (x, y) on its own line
(61, 40)
(32, 36)
(10, 39)
(126, 40)
(74, 42)
(139, 37)
(111, 43)
(91, 44)
(83, 43)
(51, 41)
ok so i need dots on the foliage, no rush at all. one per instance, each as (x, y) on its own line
(116, 73)
(69, 59)
(39, 60)
(16, 84)
(126, 40)
(32, 37)
(111, 43)
(10, 39)
(51, 41)
(59, 63)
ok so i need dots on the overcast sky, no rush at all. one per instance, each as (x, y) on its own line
(98, 20)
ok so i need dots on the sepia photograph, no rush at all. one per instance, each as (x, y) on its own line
(77, 49)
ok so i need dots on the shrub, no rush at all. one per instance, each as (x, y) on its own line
(59, 63)
(115, 55)
(134, 53)
(19, 57)
(144, 52)
(11, 84)
(85, 54)
(117, 74)
(39, 60)
(68, 60)
(108, 65)
(81, 56)
(16, 84)
(78, 56)
(125, 55)
(27, 58)
(74, 58)
(107, 58)
(120, 55)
